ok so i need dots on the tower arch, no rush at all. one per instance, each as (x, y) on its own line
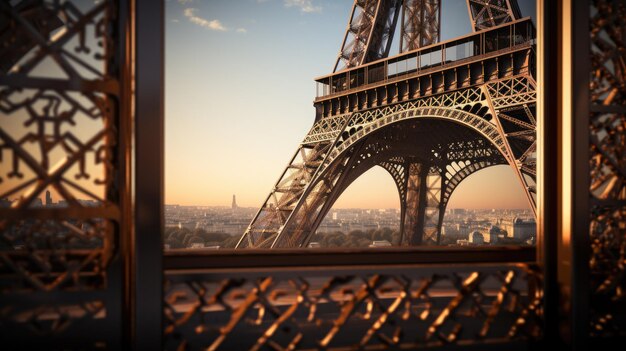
(416, 148)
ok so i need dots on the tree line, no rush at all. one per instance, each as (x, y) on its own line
(180, 238)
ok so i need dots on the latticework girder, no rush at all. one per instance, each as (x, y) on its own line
(490, 13)
(513, 102)
(421, 24)
(285, 194)
(369, 33)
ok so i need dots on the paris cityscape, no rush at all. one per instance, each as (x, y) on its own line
(444, 121)
(220, 227)
(262, 175)
(440, 131)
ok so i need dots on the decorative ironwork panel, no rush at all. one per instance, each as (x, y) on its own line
(608, 167)
(352, 308)
(62, 177)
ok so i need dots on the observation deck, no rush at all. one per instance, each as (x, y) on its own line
(492, 54)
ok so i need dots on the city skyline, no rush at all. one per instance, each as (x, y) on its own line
(225, 124)
(220, 227)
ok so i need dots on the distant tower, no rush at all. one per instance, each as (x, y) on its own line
(234, 205)
(48, 198)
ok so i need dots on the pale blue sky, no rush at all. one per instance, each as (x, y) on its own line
(239, 92)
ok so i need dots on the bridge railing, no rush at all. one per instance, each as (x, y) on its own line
(452, 52)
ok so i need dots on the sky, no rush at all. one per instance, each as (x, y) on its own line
(239, 96)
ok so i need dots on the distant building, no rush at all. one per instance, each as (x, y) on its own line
(463, 229)
(524, 229)
(234, 204)
(494, 232)
(521, 229)
(48, 198)
(477, 238)
(329, 227)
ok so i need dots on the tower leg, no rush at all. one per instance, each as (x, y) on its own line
(432, 207)
(414, 209)
(422, 209)
(442, 207)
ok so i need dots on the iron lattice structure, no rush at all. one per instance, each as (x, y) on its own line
(63, 92)
(421, 24)
(485, 14)
(607, 166)
(430, 117)
(369, 33)
(371, 27)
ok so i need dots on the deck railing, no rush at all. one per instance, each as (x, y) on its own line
(494, 41)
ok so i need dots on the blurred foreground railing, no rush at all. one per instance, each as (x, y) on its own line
(322, 301)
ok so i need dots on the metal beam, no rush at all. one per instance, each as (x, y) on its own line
(573, 205)
(369, 32)
(421, 24)
(485, 14)
(147, 248)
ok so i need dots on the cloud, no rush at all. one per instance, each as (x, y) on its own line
(202, 22)
(242, 30)
(185, 2)
(305, 6)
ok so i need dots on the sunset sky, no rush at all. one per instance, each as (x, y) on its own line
(239, 92)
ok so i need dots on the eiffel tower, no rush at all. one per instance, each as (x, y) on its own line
(431, 116)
